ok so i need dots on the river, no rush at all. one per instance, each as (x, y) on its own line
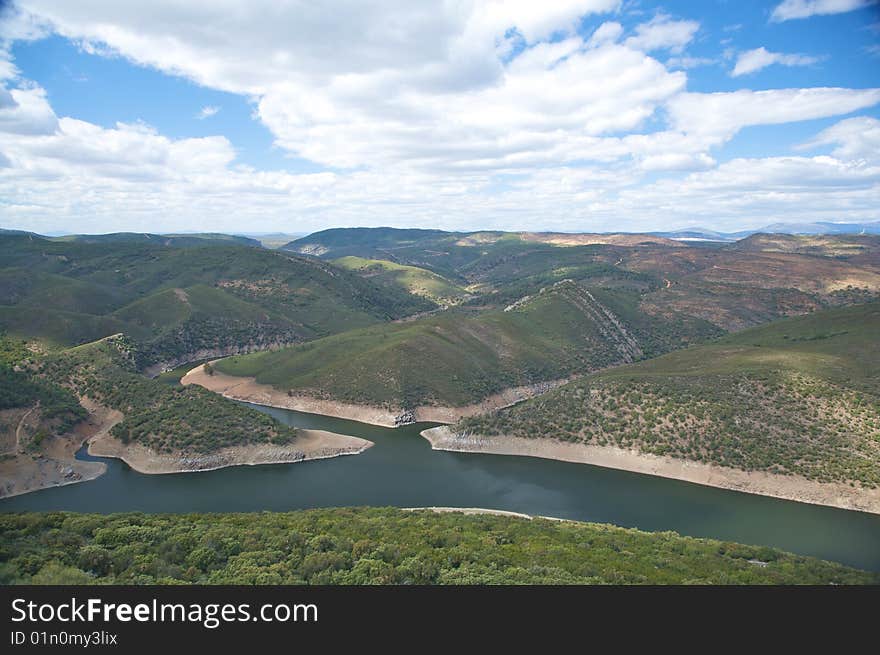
(401, 470)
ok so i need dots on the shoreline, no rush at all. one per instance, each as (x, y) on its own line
(247, 389)
(24, 474)
(308, 446)
(475, 511)
(58, 466)
(784, 487)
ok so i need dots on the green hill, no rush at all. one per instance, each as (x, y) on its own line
(798, 396)
(174, 240)
(156, 415)
(177, 301)
(735, 287)
(412, 279)
(460, 357)
(379, 546)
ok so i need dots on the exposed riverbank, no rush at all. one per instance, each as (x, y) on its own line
(476, 511)
(247, 389)
(308, 445)
(55, 465)
(754, 482)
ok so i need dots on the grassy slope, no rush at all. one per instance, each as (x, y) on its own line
(386, 546)
(177, 300)
(451, 359)
(414, 280)
(796, 396)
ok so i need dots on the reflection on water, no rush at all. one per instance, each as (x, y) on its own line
(402, 470)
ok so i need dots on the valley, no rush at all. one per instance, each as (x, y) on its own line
(748, 366)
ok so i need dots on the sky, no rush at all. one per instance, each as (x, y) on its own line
(563, 115)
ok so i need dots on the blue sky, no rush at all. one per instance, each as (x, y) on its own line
(579, 116)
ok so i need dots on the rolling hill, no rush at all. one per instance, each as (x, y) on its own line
(181, 303)
(733, 287)
(174, 240)
(411, 279)
(796, 397)
(461, 357)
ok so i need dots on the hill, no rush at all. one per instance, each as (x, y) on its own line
(798, 397)
(462, 357)
(380, 546)
(411, 279)
(182, 303)
(861, 248)
(173, 240)
(733, 287)
(51, 404)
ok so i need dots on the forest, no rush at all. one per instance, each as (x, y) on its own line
(353, 546)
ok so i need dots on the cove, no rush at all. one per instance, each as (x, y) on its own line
(401, 470)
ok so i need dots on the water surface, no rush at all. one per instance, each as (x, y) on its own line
(401, 470)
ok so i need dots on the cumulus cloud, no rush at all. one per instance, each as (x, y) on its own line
(663, 33)
(792, 9)
(752, 61)
(719, 116)
(422, 115)
(854, 139)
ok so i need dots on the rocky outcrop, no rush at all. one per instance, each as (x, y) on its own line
(406, 417)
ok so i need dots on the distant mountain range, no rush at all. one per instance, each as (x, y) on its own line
(822, 227)
(284, 239)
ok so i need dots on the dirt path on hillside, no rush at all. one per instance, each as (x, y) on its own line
(20, 426)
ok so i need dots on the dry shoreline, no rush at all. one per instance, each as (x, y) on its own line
(786, 487)
(309, 445)
(476, 511)
(247, 389)
(58, 466)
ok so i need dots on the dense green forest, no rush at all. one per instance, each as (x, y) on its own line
(379, 546)
(799, 396)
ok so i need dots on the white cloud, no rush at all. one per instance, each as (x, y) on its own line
(792, 9)
(718, 116)
(855, 139)
(608, 32)
(663, 33)
(26, 111)
(584, 93)
(752, 61)
(455, 115)
(207, 111)
(752, 193)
